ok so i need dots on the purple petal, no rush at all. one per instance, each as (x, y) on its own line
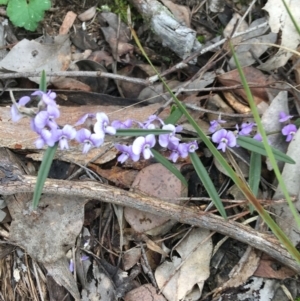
(71, 266)
(258, 137)
(53, 111)
(246, 128)
(289, 131)
(110, 130)
(86, 147)
(63, 143)
(69, 131)
(147, 153)
(123, 157)
(163, 140)
(222, 146)
(96, 139)
(41, 119)
(23, 101)
(284, 117)
(231, 139)
(192, 146)
(183, 150)
(174, 156)
(217, 136)
(150, 140)
(84, 118)
(138, 145)
(39, 143)
(82, 135)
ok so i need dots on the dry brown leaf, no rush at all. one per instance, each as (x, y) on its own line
(66, 83)
(131, 258)
(120, 176)
(145, 293)
(101, 56)
(270, 268)
(253, 76)
(154, 180)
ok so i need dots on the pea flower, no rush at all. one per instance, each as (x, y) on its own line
(47, 118)
(289, 131)
(126, 153)
(89, 139)
(84, 118)
(14, 110)
(122, 125)
(284, 117)
(144, 145)
(65, 134)
(215, 124)
(165, 139)
(246, 128)
(102, 125)
(224, 138)
(46, 136)
(182, 150)
(48, 98)
(150, 120)
(258, 137)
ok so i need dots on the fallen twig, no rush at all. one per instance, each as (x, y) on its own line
(94, 190)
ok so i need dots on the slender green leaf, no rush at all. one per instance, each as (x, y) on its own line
(140, 132)
(43, 82)
(207, 183)
(258, 147)
(291, 16)
(174, 116)
(240, 183)
(168, 165)
(254, 175)
(43, 174)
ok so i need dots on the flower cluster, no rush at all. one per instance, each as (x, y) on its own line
(93, 135)
(97, 126)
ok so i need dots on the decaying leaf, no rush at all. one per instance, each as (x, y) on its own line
(145, 292)
(280, 21)
(46, 235)
(154, 180)
(291, 175)
(32, 56)
(253, 76)
(186, 274)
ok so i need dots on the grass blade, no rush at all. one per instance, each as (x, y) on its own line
(258, 147)
(140, 132)
(43, 174)
(207, 183)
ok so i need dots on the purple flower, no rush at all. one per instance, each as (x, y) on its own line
(246, 128)
(48, 137)
(215, 124)
(15, 114)
(122, 125)
(126, 153)
(48, 98)
(165, 139)
(182, 150)
(289, 131)
(224, 138)
(144, 145)
(65, 134)
(47, 118)
(151, 119)
(84, 118)
(102, 125)
(258, 137)
(284, 117)
(88, 139)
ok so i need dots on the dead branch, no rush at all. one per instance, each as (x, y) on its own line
(94, 190)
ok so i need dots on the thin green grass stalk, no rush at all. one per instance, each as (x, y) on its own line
(264, 138)
(242, 185)
(291, 16)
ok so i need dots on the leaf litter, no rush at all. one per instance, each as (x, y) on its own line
(117, 238)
